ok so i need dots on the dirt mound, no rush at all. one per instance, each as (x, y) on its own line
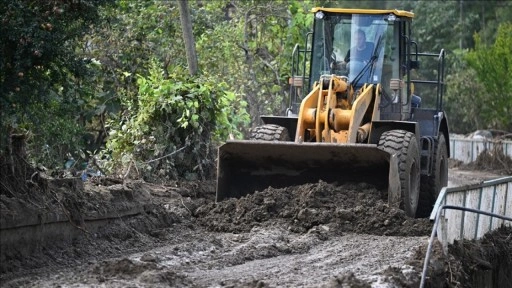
(348, 280)
(486, 260)
(353, 207)
(491, 160)
(55, 225)
(125, 270)
(313, 235)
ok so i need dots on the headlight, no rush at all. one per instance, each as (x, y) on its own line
(319, 15)
(391, 18)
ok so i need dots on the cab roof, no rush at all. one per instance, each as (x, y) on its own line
(401, 13)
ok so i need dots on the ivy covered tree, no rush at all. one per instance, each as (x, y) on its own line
(44, 85)
(243, 45)
(169, 123)
(43, 80)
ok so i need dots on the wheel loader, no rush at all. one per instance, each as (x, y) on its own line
(372, 118)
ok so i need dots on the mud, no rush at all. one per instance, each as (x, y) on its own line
(483, 263)
(350, 208)
(491, 160)
(313, 235)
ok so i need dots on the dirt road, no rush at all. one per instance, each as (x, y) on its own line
(314, 235)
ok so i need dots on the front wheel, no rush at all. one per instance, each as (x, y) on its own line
(404, 145)
(432, 184)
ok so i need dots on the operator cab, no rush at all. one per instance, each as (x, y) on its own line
(366, 48)
(389, 60)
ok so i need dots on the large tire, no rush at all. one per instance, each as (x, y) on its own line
(270, 132)
(404, 145)
(432, 185)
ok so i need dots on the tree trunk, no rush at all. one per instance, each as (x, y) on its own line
(14, 168)
(188, 37)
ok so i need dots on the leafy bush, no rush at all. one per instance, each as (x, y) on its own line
(479, 95)
(167, 132)
(460, 97)
(43, 80)
(493, 66)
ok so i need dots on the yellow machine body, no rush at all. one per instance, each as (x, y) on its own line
(328, 146)
(350, 116)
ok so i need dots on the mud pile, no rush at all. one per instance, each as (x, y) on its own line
(313, 235)
(492, 160)
(352, 207)
(482, 263)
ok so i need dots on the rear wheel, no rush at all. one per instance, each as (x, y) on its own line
(432, 185)
(404, 145)
(270, 132)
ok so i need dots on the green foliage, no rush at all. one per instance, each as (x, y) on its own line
(172, 114)
(259, 38)
(145, 50)
(361, 4)
(128, 37)
(451, 24)
(250, 50)
(493, 66)
(461, 101)
(75, 72)
(484, 18)
(479, 95)
(43, 81)
(434, 22)
(57, 134)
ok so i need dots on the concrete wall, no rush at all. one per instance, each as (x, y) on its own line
(493, 196)
(467, 150)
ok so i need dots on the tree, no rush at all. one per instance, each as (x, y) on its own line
(62, 81)
(493, 66)
(43, 83)
(461, 105)
(188, 37)
(169, 124)
(259, 38)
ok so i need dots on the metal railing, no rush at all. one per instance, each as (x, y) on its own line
(469, 212)
(434, 232)
(439, 82)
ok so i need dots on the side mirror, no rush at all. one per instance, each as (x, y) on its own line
(414, 64)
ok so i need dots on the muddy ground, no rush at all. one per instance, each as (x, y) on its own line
(313, 235)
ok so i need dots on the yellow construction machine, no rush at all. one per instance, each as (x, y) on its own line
(352, 116)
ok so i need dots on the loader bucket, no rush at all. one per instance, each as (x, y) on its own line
(245, 167)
